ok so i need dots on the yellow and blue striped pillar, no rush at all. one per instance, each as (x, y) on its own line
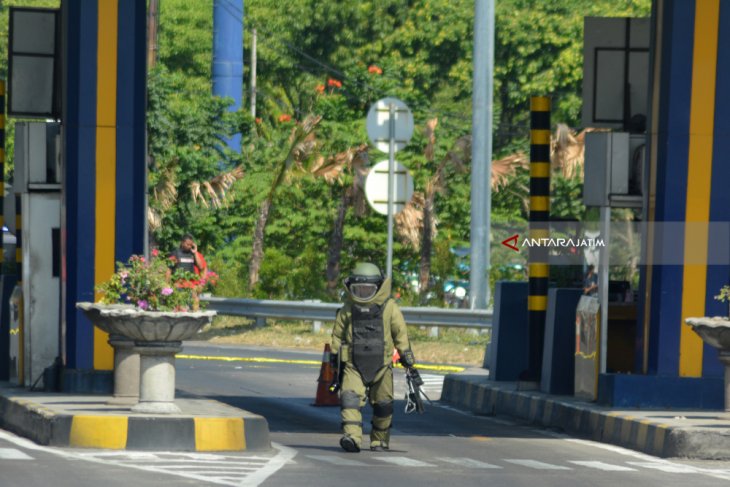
(538, 269)
(104, 135)
(690, 142)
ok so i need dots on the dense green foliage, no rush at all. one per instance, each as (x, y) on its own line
(334, 62)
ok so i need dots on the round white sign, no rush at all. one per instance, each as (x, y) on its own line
(376, 187)
(378, 124)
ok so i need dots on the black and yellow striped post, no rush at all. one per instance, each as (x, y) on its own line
(538, 267)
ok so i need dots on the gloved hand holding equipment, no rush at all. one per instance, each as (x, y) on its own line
(414, 402)
(337, 379)
(407, 360)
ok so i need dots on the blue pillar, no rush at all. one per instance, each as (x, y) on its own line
(228, 56)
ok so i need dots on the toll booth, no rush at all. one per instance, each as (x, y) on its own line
(35, 303)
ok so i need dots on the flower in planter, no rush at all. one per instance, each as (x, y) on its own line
(152, 286)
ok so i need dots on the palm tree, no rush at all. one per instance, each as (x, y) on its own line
(302, 150)
(213, 192)
(417, 223)
(354, 160)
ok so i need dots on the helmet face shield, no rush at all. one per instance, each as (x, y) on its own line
(363, 290)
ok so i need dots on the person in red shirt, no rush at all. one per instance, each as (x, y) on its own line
(188, 258)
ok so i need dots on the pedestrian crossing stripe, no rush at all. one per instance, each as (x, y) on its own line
(13, 454)
(537, 465)
(665, 467)
(403, 461)
(338, 460)
(603, 466)
(467, 462)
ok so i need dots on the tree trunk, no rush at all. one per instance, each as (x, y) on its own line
(334, 252)
(152, 25)
(257, 254)
(426, 244)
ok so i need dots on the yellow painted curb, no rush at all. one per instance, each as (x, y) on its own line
(99, 432)
(219, 434)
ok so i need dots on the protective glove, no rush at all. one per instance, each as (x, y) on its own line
(407, 359)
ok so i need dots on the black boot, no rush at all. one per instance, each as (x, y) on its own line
(349, 445)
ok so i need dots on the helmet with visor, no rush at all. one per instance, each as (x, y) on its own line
(365, 281)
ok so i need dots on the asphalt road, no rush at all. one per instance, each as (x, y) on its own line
(442, 447)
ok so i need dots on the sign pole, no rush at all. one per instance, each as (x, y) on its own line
(391, 188)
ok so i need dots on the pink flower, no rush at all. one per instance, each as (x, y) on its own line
(166, 291)
(142, 304)
(155, 252)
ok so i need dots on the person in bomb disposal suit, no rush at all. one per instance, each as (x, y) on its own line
(367, 328)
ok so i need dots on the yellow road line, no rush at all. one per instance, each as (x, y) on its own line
(443, 368)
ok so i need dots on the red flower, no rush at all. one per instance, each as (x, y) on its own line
(319, 88)
(333, 83)
(258, 120)
(373, 69)
(155, 252)
(284, 118)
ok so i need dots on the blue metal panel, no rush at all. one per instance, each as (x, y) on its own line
(80, 145)
(719, 275)
(672, 155)
(508, 349)
(131, 86)
(641, 391)
(558, 363)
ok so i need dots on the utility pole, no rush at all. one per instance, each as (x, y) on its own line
(152, 24)
(481, 152)
(253, 73)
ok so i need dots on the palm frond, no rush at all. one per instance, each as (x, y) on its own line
(430, 133)
(503, 169)
(409, 221)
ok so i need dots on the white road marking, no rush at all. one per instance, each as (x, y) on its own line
(632, 453)
(338, 460)
(13, 454)
(403, 461)
(467, 462)
(537, 465)
(664, 467)
(284, 456)
(272, 465)
(603, 466)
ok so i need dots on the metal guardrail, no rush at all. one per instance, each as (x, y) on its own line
(313, 311)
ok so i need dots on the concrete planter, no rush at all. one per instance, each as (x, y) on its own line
(156, 337)
(126, 361)
(716, 333)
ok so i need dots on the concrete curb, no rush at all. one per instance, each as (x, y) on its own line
(477, 394)
(244, 432)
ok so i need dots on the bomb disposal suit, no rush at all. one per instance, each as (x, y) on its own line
(367, 328)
